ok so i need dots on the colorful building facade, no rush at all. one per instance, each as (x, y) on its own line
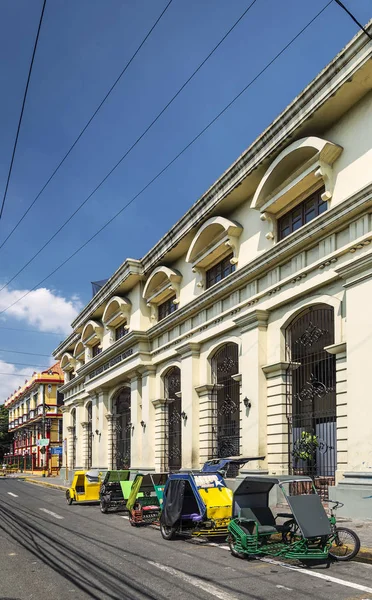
(35, 416)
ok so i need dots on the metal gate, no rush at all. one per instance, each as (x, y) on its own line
(311, 397)
(90, 435)
(122, 431)
(226, 402)
(173, 422)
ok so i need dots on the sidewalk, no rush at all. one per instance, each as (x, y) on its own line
(55, 482)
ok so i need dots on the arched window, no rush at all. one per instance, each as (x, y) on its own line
(90, 435)
(311, 393)
(173, 426)
(226, 411)
(121, 440)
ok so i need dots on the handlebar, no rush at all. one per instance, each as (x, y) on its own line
(336, 503)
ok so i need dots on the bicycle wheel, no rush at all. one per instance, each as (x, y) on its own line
(345, 544)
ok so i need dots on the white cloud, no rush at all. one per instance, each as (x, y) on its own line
(41, 308)
(11, 377)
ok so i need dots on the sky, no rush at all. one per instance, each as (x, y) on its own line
(83, 46)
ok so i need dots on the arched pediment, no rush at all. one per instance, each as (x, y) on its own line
(68, 362)
(116, 311)
(216, 231)
(92, 333)
(159, 282)
(312, 157)
(79, 350)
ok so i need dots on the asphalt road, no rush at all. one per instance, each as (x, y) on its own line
(53, 551)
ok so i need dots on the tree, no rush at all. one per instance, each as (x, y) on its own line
(5, 437)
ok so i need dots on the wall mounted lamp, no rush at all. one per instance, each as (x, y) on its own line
(184, 415)
(143, 424)
(97, 432)
(247, 402)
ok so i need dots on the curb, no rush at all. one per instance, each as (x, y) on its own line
(364, 555)
(55, 486)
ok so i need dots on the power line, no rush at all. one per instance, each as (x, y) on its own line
(160, 173)
(29, 353)
(354, 18)
(17, 374)
(31, 331)
(28, 365)
(88, 123)
(130, 149)
(22, 110)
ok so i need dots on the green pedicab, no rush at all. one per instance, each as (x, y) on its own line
(306, 534)
(116, 488)
(146, 498)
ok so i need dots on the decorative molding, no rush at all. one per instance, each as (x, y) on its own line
(280, 368)
(253, 320)
(205, 390)
(188, 349)
(357, 270)
(159, 402)
(267, 218)
(336, 348)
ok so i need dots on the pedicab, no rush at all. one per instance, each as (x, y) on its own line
(307, 533)
(146, 498)
(229, 466)
(85, 487)
(195, 504)
(116, 488)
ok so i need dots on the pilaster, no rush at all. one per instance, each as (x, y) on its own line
(148, 418)
(136, 418)
(160, 409)
(189, 353)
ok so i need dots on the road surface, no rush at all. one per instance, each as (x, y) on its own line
(52, 551)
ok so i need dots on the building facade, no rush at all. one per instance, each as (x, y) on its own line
(35, 414)
(246, 330)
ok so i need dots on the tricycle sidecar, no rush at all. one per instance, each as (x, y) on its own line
(85, 487)
(254, 530)
(146, 498)
(116, 488)
(195, 504)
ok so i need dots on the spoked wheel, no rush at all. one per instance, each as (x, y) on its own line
(345, 544)
(168, 533)
(230, 541)
(104, 507)
(68, 497)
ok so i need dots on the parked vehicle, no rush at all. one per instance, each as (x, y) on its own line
(195, 503)
(85, 487)
(229, 466)
(115, 489)
(146, 498)
(307, 533)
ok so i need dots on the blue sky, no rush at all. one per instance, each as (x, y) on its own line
(83, 47)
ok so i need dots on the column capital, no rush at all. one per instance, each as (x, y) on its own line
(146, 370)
(110, 417)
(70, 428)
(336, 348)
(188, 349)
(205, 390)
(159, 402)
(85, 424)
(280, 368)
(253, 320)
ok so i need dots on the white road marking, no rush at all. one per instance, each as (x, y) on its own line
(196, 582)
(282, 587)
(124, 517)
(350, 584)
(53, 514)
(14, 495)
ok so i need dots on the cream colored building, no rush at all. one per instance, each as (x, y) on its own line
(247, 329)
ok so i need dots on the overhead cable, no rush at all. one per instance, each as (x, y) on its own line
(129, 149)
(353, 18)
(22, 111)
(160, 173)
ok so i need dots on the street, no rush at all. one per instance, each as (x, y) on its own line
(50, 550)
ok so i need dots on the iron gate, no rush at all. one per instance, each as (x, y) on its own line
(90, 435)
(226, 403)
(173, 422)
(311, 397)
(122, 430)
